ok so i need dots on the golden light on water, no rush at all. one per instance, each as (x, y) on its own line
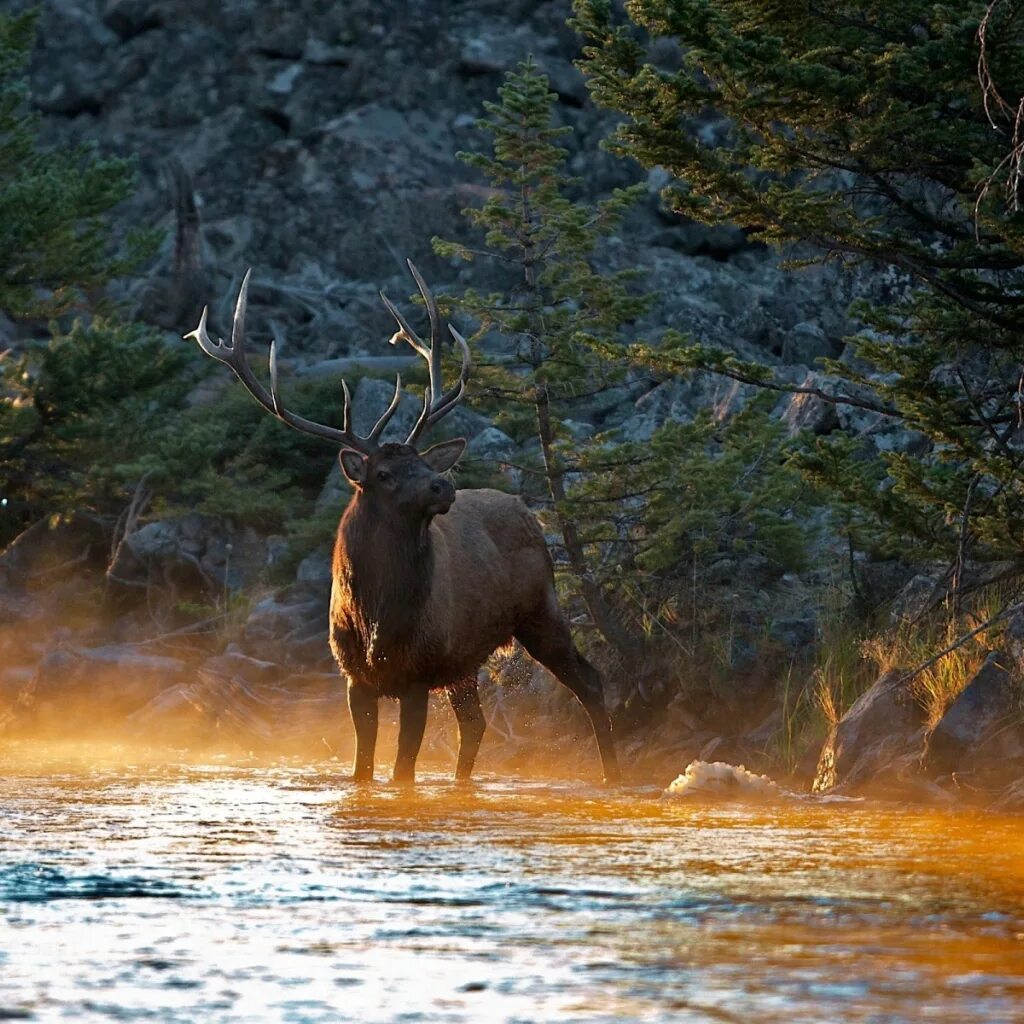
(272, 891)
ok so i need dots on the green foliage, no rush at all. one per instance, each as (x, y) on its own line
(861, 134)
(709, 490)
(557, 308)
(556, 303)
(71, 413)
(230, 458)
(54, 231)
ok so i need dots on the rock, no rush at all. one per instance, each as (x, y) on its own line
(1013, 640)
(343, 366)
(917, 596)
(188, 556)
(983, 729)
(809, 412)
(491, 445)
(877, 741)
(130, 18)
(796, 634)
(53, 549)
(369, 400)
(232, 664)
(679, 401)
(291, 634)
(90, 689)
(316, 568)
(927, 590)
(807, 342)
(879, 582)
(1011, 800)
(205, 713)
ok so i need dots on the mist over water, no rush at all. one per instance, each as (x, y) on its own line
(280, 892)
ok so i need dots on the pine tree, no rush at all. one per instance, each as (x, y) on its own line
(55, 236)
(73, 407)
(859, 134)
(557, 306)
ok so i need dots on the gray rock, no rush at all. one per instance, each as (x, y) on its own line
(917, 596)
(679, 401)
(491, 445)
(1013, 640)
(369, 400)
(984, 726)
(795, 634)
(806, 342)
(877, 741)
(290, 634)
(880, 582)
(809, 412)
(130, 18)
(51, 550)
(89, 689)
(232, 664)
(191, 555)
(316, 568)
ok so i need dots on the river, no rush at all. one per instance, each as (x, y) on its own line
(280, 892)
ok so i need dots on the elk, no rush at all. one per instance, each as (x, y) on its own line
(427, 582)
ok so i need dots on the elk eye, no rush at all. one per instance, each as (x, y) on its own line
(383, 475)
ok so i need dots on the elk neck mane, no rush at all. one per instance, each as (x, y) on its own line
(386, 566)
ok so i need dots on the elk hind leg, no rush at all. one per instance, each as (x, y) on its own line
(549, 641)
(464, 698)
(362, 705)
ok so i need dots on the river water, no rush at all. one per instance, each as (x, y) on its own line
(223, 892)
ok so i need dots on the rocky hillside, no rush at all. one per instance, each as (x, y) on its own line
(317, 142)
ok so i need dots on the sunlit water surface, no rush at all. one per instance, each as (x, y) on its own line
(253, 893)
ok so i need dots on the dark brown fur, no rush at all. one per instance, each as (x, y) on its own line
(421, 599)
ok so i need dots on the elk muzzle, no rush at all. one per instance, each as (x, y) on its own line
(442, 495)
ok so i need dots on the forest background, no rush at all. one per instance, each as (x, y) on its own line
(743, 282)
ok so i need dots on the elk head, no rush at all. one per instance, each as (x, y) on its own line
(397, 478)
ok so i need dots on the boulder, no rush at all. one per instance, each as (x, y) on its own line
(206, 713)
(877, 741)
(232, 664)
(491, 445)
(290, 633)
(79, 689)
(806, 342)
(190, 556)
(51, 550)
(982, 731)
(803, 411)
(1013, 641)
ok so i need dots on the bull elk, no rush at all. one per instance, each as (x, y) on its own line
(427, 582)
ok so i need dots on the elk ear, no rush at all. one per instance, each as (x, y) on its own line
(441, 457)
(353, 465)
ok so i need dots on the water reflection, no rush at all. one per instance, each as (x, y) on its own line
(280, 892)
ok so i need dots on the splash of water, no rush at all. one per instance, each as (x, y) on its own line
(717, 779)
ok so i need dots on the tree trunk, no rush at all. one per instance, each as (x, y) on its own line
(603, 617)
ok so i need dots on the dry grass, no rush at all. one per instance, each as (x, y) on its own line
(852, 655)
(911, 644)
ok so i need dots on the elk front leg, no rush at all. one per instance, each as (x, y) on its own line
(465, 701)
(412, 720)
(362, 705)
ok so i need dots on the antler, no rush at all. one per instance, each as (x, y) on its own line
(233, 355)
(436, 401)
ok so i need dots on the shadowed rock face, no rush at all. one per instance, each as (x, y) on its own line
(320, 140)
(878, 740)
(982, 731)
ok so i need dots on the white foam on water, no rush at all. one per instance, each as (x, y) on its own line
(717, 779)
